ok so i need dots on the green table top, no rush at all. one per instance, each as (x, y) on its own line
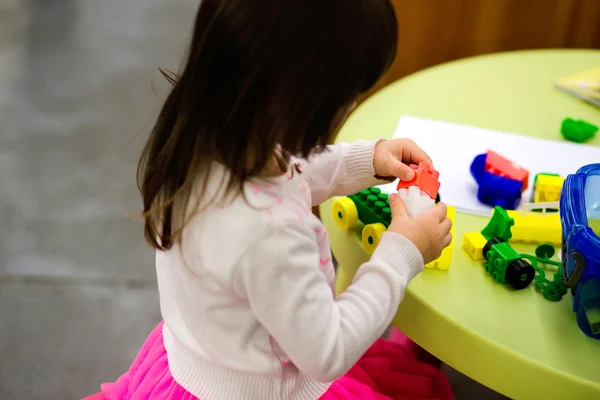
(514, 342)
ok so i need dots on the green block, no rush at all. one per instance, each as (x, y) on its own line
(499, 226)
(577, 130)
(372, 206)
(499, 258)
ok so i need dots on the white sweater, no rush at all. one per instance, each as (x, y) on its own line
(252, 313)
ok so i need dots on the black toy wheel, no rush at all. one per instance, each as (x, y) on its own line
(488, 246)
(520, 274)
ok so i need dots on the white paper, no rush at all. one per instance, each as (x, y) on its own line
(452, 148)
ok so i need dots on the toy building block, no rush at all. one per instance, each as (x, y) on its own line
(369, 206)
(499, 165)
(505, 265)
(473, 244)
(426, 178)
(547, 188)
(373, 206)
(577, 130)
(495, 190)
(415, 200)
(443, 262)
(537, 227)
(499, 226)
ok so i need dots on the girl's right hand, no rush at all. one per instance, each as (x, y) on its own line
(429, 231)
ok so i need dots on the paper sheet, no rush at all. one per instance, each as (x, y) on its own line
(452, 148)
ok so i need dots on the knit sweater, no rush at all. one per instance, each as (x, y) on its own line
(248, 295)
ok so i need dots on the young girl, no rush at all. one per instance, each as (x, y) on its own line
(229, 174)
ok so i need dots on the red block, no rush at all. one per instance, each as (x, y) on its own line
(498, 165)
(426, 178)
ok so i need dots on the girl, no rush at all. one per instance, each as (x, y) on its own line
(236, 160)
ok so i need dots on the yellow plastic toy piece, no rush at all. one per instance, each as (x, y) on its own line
(548, 188)
(345, 214)
(443, 262)
(536, 227)
(473, 243)
(371, 236)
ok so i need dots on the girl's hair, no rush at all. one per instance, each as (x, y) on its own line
(258, 73)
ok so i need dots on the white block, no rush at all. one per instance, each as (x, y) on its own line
(415, 200)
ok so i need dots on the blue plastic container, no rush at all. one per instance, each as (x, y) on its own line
(580, 218)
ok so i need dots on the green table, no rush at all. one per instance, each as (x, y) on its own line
(516, 343)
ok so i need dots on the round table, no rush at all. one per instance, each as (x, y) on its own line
(514, 342)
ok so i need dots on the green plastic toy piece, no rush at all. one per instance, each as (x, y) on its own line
(499, 225)
(545, 251)
(499, 257)
(577, 130)
(555, 289)
(372, 206)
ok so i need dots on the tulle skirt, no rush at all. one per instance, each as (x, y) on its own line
(389, 370)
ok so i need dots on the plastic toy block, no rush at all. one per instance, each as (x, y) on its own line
(499, 226)
(443, 262)
(495, 190)
(499, 165)
(473, 243)
(577, 130)
(547, 188)
(426, 178)
(537, 176)
(505, 265)
(372, 206)
(478, 167)
(415, 200)
(536, 227)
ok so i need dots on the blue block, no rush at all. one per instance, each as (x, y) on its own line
(478, 167)
(495, 190)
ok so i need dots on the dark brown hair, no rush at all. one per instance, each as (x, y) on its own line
(258, 73)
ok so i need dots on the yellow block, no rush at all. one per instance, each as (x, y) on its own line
(536, 228)
(548, 188)
(473, 243)
(443, 262)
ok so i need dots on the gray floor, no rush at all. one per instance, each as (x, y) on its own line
(77, 289)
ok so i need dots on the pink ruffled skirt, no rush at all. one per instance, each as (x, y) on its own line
(389, 370)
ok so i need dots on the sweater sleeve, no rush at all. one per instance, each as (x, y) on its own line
(323, 336)
(340, 170)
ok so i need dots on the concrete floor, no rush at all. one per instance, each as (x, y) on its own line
(78, 93)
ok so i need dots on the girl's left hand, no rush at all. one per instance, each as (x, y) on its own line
(393, 157)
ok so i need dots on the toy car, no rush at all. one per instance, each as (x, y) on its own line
(503, 263)
(580, 219)
(372, 208)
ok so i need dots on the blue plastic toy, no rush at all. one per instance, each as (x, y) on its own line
(580, 218)
(495, 190)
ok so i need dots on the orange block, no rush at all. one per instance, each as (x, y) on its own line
(498, 165)
(426, 178)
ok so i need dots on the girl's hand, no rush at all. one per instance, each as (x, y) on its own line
(393, 157)
(429, 231)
